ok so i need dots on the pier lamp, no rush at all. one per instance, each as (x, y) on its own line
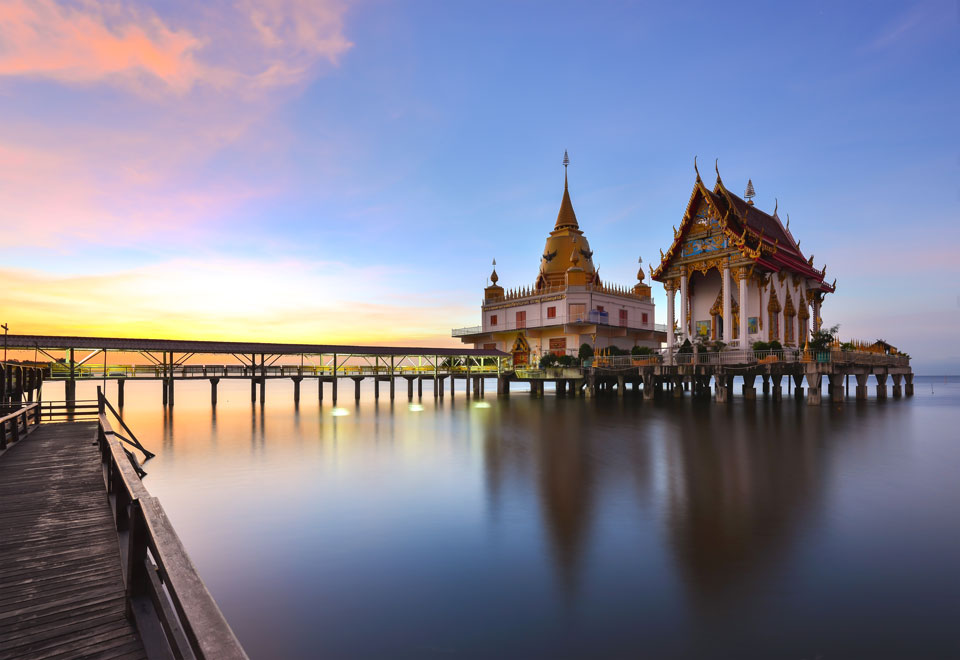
(6, 329)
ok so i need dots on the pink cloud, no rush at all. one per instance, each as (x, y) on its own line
(238, 46)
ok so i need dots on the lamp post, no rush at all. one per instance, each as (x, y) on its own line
(6, 329)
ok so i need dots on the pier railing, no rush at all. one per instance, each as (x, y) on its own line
(186, 371)
(158, 572)
(743, 357)
(17, 422)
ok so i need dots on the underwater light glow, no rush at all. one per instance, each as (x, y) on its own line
(340, 412)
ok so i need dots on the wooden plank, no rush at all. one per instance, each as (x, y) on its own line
(61, 585)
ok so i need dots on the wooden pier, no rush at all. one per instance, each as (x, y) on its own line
(91, 565)
(171, 360)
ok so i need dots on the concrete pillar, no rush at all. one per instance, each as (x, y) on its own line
(881, 385)
(296, 389)
(70, 389)
(441, 382)
(503, 386)
(766, 384)
(727, 306)
(253, 391)
(213, 390)
(862, 380)
(419, 387)
(777, 390)
(409, 389)
(453, 386)
(749, 391)
(798, 386)
(678, 387)
(909, 384)
(356, 388)
(320, 389)
(333, 388)
(393, 386)
(466, 385)
(649, 387)
(263, 391)
(836, 388)
(120, 384)
(897, 389)
(813, 388)
(376, 387)
(720, 389)
(620, 386)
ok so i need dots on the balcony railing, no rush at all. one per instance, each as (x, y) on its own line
(749, 357)
(590, 318)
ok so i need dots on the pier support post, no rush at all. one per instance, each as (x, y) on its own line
(320, 390)
(749, 391)
(213, 390)
(356, 388)
(503, 386)
(561, 388)
(170, 396)
(419, 387)
(678, 387)
(798, 386)
(409, 389)
(881, 385)
(620, 386)
(333, 388)
(766, 384)
(909, 384)
(649, 386)
(376, 388)
(720, 387)
(120, 384)
(393, 386)
(861, 391)
(440, 384)
(897, 388)
(777, 389)
(296, 389)
(453, 386)
(70, 388)
(253, 391)
(813, 388)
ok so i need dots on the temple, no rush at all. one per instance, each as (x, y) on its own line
(741, 275)
(568, 305)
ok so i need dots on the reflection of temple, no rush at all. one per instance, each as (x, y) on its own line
(738, 491)
(567, 306)
(555, 460)
(740, 273)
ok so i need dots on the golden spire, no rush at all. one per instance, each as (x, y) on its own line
(640, 272)
(566, 218)
(493, 275)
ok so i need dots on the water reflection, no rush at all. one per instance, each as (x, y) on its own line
(530, 528)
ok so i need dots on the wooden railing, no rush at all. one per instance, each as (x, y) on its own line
(158, 572)
(18, 423)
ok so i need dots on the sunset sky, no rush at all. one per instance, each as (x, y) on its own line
(324, 171)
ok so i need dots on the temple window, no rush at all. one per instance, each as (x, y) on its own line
(578, 311)
(551, 312)
(493, 319)
(623, 317)
(646, 318)
(521, 319)
(600, 308)
(558, 345)
(774, 326)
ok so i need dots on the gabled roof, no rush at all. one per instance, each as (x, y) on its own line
(758, 235)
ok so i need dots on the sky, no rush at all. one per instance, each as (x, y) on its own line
(344, 172)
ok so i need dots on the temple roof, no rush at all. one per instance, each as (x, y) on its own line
(760, 236)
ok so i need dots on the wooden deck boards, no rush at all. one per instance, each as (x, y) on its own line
(61, 585)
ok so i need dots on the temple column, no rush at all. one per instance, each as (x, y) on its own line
(744, 340)
(670, 288)
(816, 313)
(727, 316)
(683, 302)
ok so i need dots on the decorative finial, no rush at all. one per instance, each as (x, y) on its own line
(640, 272)
(566, 159)
(788, 227)
(776, 205)
(716, 166)
(493, 275)
(695, 168)
(575, 257)
(749, 193)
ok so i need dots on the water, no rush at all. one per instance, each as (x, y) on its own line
(565, 527)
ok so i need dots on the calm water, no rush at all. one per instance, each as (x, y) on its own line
(564, 527)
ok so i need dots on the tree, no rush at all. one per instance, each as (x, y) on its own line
(586, 352)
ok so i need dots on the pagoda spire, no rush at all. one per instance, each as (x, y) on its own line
(566, 218)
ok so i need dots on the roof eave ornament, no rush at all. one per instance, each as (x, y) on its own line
(695, 168)
(716, 166)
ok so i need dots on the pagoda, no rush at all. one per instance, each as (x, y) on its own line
(740, 272)
(567, 305)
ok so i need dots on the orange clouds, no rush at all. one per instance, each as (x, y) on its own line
(249, 44)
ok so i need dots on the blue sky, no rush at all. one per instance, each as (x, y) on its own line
(356, 166)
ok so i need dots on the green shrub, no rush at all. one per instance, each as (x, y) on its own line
(685, 347)
(586, 352)
(641, 350)
(548, 360)
(759, 346)
(774, 346)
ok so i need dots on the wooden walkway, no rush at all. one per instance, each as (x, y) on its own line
(61, 585)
